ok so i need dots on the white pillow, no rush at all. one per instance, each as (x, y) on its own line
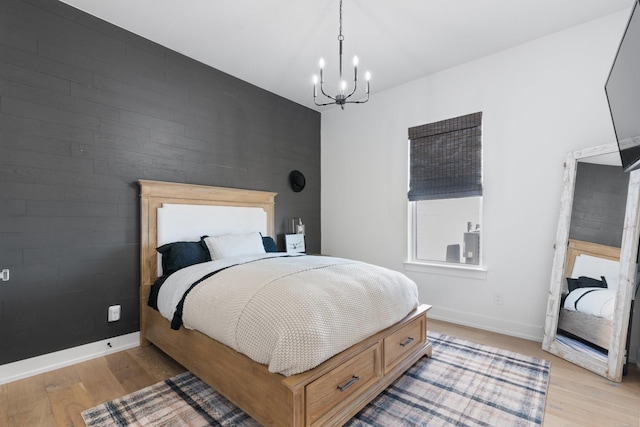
(230, 245)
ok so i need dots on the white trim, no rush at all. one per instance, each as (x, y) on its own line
(48, 362)
(447, 269)
(412, 244)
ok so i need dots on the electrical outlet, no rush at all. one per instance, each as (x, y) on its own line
(4, 275)
(497, 298)
(114, 313)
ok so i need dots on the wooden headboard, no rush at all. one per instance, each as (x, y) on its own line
(153, 194)
(579, 247)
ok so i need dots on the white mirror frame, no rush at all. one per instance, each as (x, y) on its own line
(612, 368)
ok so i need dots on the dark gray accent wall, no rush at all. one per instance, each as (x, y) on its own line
(87, 109)
(599, 203)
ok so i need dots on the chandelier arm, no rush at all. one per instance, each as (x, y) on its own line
(355, 86)
(359, 101)
(325, 104)
(324, 93)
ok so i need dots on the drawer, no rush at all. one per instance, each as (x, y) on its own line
(403, 341)
(340, 386)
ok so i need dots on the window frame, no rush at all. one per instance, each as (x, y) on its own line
(478, 271)
(412, 263)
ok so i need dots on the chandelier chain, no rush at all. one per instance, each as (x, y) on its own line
(340, 36)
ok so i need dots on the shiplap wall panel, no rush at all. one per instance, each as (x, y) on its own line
(87, 109)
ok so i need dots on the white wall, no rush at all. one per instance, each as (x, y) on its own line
(539, 101)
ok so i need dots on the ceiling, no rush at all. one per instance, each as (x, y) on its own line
(276, 44)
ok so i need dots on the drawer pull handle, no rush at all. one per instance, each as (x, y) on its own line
(351, 382)
(406, 342)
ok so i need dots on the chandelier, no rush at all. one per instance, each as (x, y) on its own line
(343, 95)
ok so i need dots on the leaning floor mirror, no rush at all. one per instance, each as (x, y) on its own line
(593, 278)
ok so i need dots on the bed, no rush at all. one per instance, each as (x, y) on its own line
(328, 394)
(587, 312)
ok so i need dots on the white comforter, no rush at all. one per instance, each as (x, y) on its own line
(601, 302)
(290, 313)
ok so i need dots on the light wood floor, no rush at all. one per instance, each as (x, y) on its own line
(576, 397)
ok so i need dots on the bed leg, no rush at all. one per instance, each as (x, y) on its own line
(429, 350)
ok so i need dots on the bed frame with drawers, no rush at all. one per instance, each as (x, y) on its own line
(328, 395)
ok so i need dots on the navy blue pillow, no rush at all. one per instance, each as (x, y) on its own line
(179, 255)
(269, 244)
(586, 282)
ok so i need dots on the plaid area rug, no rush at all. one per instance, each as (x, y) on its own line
(462, 384)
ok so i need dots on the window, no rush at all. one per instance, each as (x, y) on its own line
(445, 191)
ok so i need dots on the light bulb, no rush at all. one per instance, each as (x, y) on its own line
(367, 76)
(355, 61)
(343, 85)
(321, 63)
(315, 79)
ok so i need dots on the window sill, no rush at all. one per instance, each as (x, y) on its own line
(457, 270)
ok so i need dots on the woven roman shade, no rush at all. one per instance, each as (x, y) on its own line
(446, 159)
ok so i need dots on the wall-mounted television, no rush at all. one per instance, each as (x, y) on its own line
(623, 93)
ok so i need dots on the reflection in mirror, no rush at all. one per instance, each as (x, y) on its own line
(588, 300)
(595, 262)
(599, 202)
(593, 254)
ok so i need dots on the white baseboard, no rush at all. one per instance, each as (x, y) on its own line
(48, 362)
(501, 326)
